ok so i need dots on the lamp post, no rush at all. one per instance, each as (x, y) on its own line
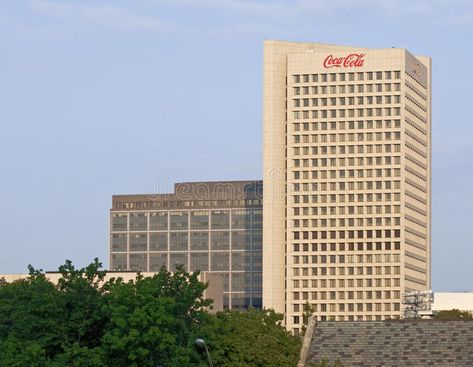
(201, 344)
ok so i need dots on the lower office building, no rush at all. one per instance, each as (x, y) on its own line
(213, 227)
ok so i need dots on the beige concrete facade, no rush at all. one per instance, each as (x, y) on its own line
(347, 151)
(444, 301)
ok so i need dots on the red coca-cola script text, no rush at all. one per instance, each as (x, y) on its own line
(350, 61)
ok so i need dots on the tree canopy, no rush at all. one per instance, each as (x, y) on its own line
(85, 321)
(453, 315)
(253, 338)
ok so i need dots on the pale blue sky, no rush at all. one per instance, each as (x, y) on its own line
(100, 97)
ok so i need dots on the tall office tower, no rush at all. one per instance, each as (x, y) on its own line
(347, 151)
(214, 227)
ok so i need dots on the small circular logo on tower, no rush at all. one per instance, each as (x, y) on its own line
(416, 69)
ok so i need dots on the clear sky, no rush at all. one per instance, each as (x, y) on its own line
(108, 97)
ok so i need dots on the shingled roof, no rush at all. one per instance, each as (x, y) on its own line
(389, 343)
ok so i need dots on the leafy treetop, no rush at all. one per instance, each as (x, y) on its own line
(85, 321)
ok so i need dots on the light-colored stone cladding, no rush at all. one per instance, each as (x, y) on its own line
(347, 153)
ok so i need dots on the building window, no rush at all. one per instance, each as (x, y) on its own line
(199, 220)
(119, 242)
(156, 261)
(158, 241)
(199, 241)
(119, 221)
(241, 219)
(178, 220)
(158, 221)
(138, 262)
(199, 261)
(178, 241)
(219, 240)
(176, 259)
(220, 219)
(118, 262)
(138, 241)
(138, 221)
(219, 261)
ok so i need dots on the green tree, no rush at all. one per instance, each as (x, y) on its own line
(83, 312)
(31, 324)
(308, 312)
(453, 315)
(152, 319)
(42, 324)
(325, 363)
(84, 321)
(250, 339)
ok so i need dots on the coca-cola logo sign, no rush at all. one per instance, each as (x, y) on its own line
(349, 61)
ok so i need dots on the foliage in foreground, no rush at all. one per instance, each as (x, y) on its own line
(453, 315)
(325, 363)
(84, 321)
(253, 338)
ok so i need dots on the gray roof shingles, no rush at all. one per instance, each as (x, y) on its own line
(415, 343)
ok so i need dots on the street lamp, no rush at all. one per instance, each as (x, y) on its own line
(201, 344)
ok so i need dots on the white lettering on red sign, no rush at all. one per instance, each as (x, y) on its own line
(350, 61)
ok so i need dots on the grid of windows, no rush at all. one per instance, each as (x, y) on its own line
(350, 151)
(224, 241)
